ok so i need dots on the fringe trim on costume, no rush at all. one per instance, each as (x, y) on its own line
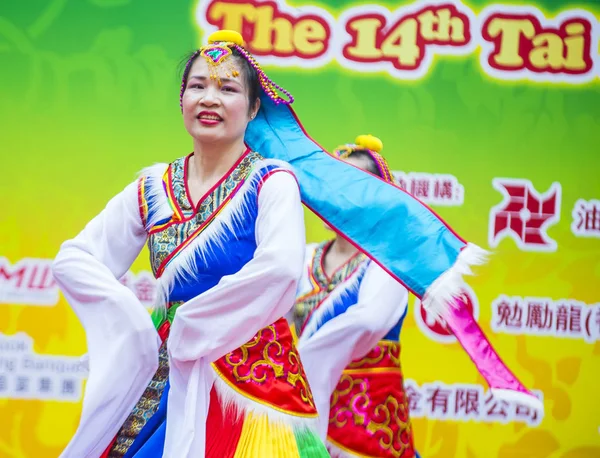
(439, 295)
(156, 197)
(238, 405)
(349, 286)
(517, 397)
(310, 445)
(261, 439)
(252, 435)
(337, 452)
(184, 265)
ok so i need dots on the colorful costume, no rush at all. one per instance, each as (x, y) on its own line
(221, 378)
(227, 268)
(352, 357)
(349, 325)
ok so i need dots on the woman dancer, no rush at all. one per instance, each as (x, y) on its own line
(224, 226)
(349, 314)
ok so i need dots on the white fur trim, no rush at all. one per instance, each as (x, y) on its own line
(518, 397)
(184, 265)
(438, 296)
(237, 404)
(348, 286)
(156, 198)
(337, 452)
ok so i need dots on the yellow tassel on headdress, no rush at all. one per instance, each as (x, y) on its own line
(226, 36)
(369, 142)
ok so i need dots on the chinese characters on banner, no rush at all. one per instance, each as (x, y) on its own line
(465, 402)
(586, 218)
(538, 316)
(432, 189)
(25, 374)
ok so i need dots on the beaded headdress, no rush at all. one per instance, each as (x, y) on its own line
(372, 146)
(218, 53)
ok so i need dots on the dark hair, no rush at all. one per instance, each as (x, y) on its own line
(371, 164)
(250, 75)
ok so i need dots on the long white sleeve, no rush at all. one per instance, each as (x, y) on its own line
(229, 314)
(121, 340)
(325, 354)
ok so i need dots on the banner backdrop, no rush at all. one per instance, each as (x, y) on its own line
(489, 112)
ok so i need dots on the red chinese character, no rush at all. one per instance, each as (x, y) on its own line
(497, 409)
(562, 318)
(145, 290)
(586, 218)
(509, 316)
(402, 183)
(539, 316)
(439, 399)
(524, 214)
(414, 399)
(575, 319)
(526, 413)
(467, 401)
(443, 189)
(420, 188)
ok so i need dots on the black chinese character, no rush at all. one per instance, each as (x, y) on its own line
(22, 384)
(45, 385)
(68, 387)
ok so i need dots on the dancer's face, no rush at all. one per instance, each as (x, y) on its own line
(214, 112)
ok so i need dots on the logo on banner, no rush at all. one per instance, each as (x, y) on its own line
(29, 282)
(436, 328)
(524, 214)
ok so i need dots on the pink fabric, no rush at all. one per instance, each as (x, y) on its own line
(486, 359)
